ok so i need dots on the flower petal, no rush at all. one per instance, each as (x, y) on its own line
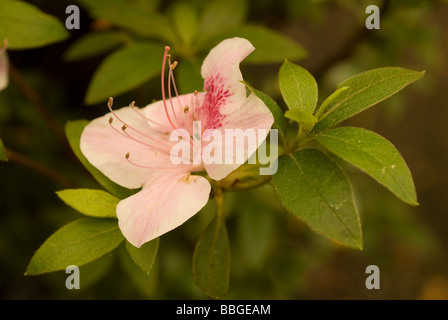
(157, 114)
(106, 149)
(222, 75)
(252, 115)
(165, 202)
(4, 78)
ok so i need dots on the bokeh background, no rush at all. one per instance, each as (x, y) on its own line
(274, 255)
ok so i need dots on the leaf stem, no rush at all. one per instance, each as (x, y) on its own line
(37, 103)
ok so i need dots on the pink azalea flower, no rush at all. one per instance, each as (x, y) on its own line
(4, 79)
(131, 146)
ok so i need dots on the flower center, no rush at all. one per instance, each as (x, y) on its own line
(184, 118)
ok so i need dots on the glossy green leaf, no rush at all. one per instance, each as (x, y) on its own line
(26, 26)
(314, 188)
(185, 22)
(270, 46)
(146, 284)
(137, 19)
(76, 243)
(279, 119)
(298, 87)
(144, 256)
(137, 4)
(365, 90)
(90, 202)
(188, 76)
(73, 131)
(3, 156)
(375, 156)
(124, 70)
(221, 16)
(94, 44)
(324, 106)
(211, 260)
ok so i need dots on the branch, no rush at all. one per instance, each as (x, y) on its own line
(40, 168)
(37, 103)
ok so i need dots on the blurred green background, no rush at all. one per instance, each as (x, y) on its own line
(274, 255)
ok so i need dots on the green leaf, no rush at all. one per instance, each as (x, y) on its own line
(90, 202)
(365, 90)
(93, 44)
(314, 188)
(211, 260)
(3, 156)
(279, 119)
(137, 19)
(298, 87)
(221, 16)
(375, 156)
(26, 26)
(188, 76)
(185, 21)
(73, 131)
(270, 46)
(144, 256)
(124, 70)
(326, 103)
(76, 243)
(305, 118)
(101, 4)
(146, 284)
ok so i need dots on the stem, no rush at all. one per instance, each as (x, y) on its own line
(39, 168)
(37, 103)
(219, 198)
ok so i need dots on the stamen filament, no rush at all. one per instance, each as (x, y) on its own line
(143, 116)
(109, 105)
(124, 127)
(174, 84)
(128, 155)
(163, 86)
(170, 79)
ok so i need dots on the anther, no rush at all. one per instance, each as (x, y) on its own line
(174, 65)
(110, 103)
(111, 119)
(195, 93)
(127, 155)
(132, 104)
(124, 127)
(186, 109)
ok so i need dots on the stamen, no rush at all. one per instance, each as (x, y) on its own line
(171, 75)
(125, 126)
(132, 105)
(170, 78)
(111, 119)
(128, 155)
(163, 86)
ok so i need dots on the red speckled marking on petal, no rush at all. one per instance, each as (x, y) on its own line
(217, 94)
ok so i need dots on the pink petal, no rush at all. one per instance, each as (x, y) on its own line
(106, 149)
(157, 114)
(164, 203)
(4, 78)
(252, 114)
(222, 75)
